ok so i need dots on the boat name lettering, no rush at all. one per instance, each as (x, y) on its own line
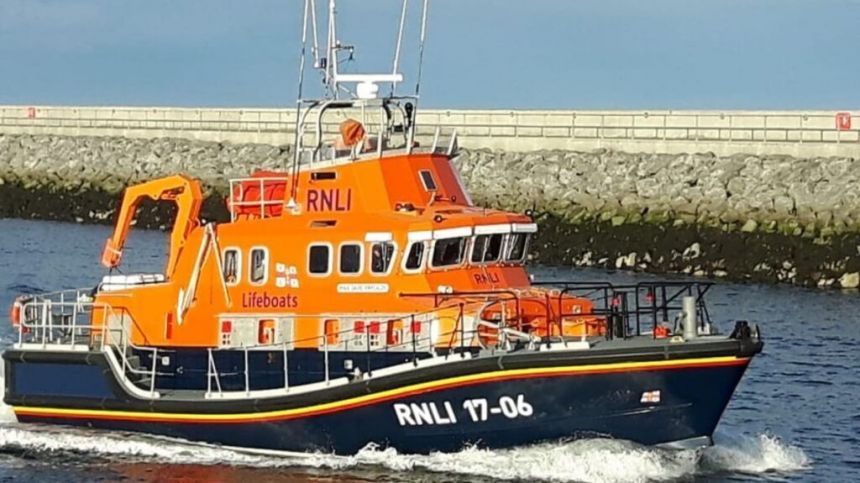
(419, 414)
(477, 410)
(333, 199)
(266, 301)
(485, 278)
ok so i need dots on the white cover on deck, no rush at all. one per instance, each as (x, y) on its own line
(119, 282)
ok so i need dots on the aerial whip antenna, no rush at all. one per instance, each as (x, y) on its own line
(399, 43)
(421, 45)
(316, 48)
(418, 76)
(309, 6)
(331, 64)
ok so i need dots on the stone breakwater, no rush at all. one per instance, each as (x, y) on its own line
(770, 218)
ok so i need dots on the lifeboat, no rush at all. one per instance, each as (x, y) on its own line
(359, 297)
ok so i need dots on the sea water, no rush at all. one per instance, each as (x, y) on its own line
(795, 416)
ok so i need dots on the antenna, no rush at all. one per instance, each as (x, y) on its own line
(316, 48)
(366, 85)
(421, 46)
(399, 43)
(358, 90)
(332, 46)
(421, 40)
(310, 7)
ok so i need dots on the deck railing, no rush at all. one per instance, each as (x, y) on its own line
(266, 204)
(637, 309)
(414, 347)
(64, 320)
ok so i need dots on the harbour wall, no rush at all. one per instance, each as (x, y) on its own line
(724, 133)
(741, 216)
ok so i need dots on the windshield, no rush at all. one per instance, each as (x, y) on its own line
(487, 248)
(448, 252)
(517, 247)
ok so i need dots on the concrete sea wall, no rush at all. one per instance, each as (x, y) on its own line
(754, 217)
(796, 133)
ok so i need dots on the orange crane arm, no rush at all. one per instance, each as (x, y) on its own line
(185, 192)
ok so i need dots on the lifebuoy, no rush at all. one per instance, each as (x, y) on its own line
(266, 332)
(393, 337)
(15, 313)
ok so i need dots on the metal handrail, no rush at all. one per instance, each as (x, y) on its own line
(212, 372)
(44, 331)
(615, 299)
(322, 341)
(612, 306)
(236, 200)
(42, 311)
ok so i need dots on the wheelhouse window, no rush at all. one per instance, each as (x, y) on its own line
(350, 258)
(319, 259)
(448, 252)
(487, 248)
(414, 259)
(427, 180)
(232, 264)
(259, 266)
(381, 255)
(517, 247)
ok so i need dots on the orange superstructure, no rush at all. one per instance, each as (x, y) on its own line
(357, 240)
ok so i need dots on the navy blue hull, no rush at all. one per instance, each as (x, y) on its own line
(646, 402)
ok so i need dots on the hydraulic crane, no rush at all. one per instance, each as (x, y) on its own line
(183, 191)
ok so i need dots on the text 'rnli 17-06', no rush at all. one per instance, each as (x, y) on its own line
(359, 297)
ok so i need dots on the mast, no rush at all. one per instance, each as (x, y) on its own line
(351, 90)
(331, 67)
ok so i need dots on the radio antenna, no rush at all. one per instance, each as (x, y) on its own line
(421, 46)
(309, 7)
(399, 43)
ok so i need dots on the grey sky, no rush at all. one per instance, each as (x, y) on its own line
(481, 53)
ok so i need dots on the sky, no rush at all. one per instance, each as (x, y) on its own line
(567, 54)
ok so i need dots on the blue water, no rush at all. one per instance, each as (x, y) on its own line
(795, 417)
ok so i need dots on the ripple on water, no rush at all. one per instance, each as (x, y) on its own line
(24, 289)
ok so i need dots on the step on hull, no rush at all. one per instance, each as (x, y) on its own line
(493, 402)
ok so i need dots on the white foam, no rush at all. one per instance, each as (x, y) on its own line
(51, 439)
(762, 453)
(606, 460)
(594, 460)
(598, 460)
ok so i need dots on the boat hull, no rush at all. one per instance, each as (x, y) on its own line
(490, 401)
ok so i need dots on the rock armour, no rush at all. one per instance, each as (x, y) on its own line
(763, 218)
